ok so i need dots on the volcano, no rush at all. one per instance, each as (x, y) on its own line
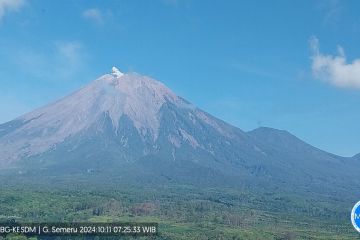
(129, 126)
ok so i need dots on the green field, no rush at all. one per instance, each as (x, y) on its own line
(183, 211)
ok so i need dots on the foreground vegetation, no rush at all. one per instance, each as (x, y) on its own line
(185, 212)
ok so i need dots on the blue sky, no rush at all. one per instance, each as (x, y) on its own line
(285, 64)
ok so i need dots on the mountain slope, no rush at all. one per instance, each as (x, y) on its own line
(294, 156)
(130, 126)
(41, 129)
(126, 117)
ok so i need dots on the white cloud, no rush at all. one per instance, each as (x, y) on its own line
(334, 69)
(70, 52)
(10, 5)
(94, 14)
(332, 11)
(62, 60)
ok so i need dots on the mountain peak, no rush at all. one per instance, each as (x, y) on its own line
(116, 72)
(274, 136)
(116, 95)
(269, 131)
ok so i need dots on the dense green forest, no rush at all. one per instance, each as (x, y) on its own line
(184, 211)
